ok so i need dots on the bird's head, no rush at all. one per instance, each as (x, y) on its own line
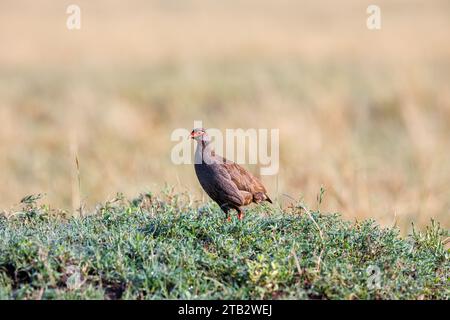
(199, 134)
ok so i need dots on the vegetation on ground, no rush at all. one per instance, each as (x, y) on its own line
(165, 247)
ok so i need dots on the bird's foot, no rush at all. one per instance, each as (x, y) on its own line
(229, 218)
(240, 215)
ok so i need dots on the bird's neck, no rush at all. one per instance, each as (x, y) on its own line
(204, 152)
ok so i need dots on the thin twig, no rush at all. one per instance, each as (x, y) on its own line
(80, 208)
(297, 262)
(303, 207)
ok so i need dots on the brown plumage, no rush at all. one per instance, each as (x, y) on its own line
(226, 182)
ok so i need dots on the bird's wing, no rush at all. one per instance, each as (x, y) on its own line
(225, 190)
(243, 179)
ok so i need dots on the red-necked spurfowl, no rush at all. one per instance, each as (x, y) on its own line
(226, 182)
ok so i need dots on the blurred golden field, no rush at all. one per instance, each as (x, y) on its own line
(365, 114)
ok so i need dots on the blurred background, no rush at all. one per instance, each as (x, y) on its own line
(363, 114)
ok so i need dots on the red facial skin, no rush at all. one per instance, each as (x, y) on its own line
(195, 134)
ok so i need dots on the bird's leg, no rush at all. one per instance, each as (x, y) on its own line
(227, 212)
(240, 214)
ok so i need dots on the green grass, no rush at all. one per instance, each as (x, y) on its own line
(160, 247)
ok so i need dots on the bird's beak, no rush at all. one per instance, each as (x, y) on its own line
(191, 136)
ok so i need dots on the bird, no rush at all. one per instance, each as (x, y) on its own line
(225, 182)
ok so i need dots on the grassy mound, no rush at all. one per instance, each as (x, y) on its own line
(163, 247)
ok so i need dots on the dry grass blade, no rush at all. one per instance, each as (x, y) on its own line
(297, 261)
